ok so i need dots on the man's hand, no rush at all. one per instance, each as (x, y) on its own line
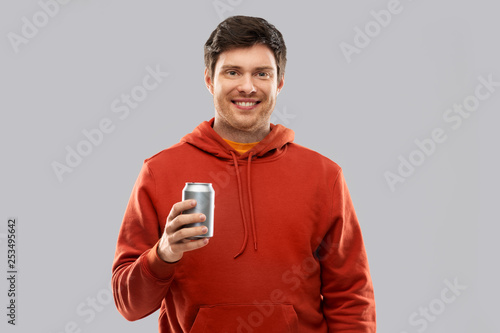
(174, 242)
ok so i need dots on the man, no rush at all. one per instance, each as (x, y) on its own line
(287, 253)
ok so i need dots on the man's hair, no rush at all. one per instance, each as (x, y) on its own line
(244, 31)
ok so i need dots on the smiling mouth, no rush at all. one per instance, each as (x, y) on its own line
(245, 103)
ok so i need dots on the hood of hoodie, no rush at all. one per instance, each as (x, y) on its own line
(205, 138)
(272, 146)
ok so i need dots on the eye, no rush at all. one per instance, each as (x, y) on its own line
(231, 73)
(264, 75)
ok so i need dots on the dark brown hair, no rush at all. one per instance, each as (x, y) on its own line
(245, 31)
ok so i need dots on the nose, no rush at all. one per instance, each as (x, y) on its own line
(245, 85)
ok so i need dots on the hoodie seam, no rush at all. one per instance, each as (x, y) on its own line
(332, 191)
(153, 178)
(261, 159)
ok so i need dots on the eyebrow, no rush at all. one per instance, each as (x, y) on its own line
(260, 68)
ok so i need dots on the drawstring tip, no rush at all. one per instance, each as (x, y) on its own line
(240, 252)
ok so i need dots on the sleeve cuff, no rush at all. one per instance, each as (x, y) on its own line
(159, 269)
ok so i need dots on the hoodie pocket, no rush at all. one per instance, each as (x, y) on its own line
(246, 318)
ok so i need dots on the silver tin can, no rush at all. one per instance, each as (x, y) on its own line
(204, 195)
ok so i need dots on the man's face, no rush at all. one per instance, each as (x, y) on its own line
(245, 87)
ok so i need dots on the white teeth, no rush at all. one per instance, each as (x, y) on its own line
(245, 103)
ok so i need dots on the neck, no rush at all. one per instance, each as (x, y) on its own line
(233, 134)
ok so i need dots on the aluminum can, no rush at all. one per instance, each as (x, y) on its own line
(204, 195)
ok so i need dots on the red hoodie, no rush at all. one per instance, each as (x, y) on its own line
(287, 253)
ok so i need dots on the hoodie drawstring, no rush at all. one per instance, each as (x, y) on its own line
(238, 177)
(249, 181)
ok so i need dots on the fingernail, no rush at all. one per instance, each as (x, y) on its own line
(193, 202)
(205, 240)
(202, 217)
(204, 230)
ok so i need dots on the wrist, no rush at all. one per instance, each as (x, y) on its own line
(160, 253)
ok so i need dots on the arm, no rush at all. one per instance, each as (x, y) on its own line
(140, 278)
(348, 298)
(146, 255)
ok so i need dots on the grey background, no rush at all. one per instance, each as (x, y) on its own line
(440, 224)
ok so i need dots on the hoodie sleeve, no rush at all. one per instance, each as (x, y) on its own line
(140, 277)
(348, 297)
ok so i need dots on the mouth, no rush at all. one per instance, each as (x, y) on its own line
(245, 104)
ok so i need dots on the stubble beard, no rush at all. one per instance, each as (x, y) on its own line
(237, 123)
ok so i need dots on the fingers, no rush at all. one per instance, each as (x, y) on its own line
(188, 245)
(172, 252)
(176, 239)
(176, 221)
(174, 244)
(181, 220)
(179, 207)
(176, 229)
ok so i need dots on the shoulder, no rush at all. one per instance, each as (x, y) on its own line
(166, 155)
(309, 156)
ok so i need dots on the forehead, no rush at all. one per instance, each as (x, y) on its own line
(252, 57)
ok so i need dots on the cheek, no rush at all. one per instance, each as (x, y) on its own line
(269, 91)
(271, 96)
(222, 91)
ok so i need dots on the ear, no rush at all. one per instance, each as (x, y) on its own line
(208, 82)
(282, 83)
